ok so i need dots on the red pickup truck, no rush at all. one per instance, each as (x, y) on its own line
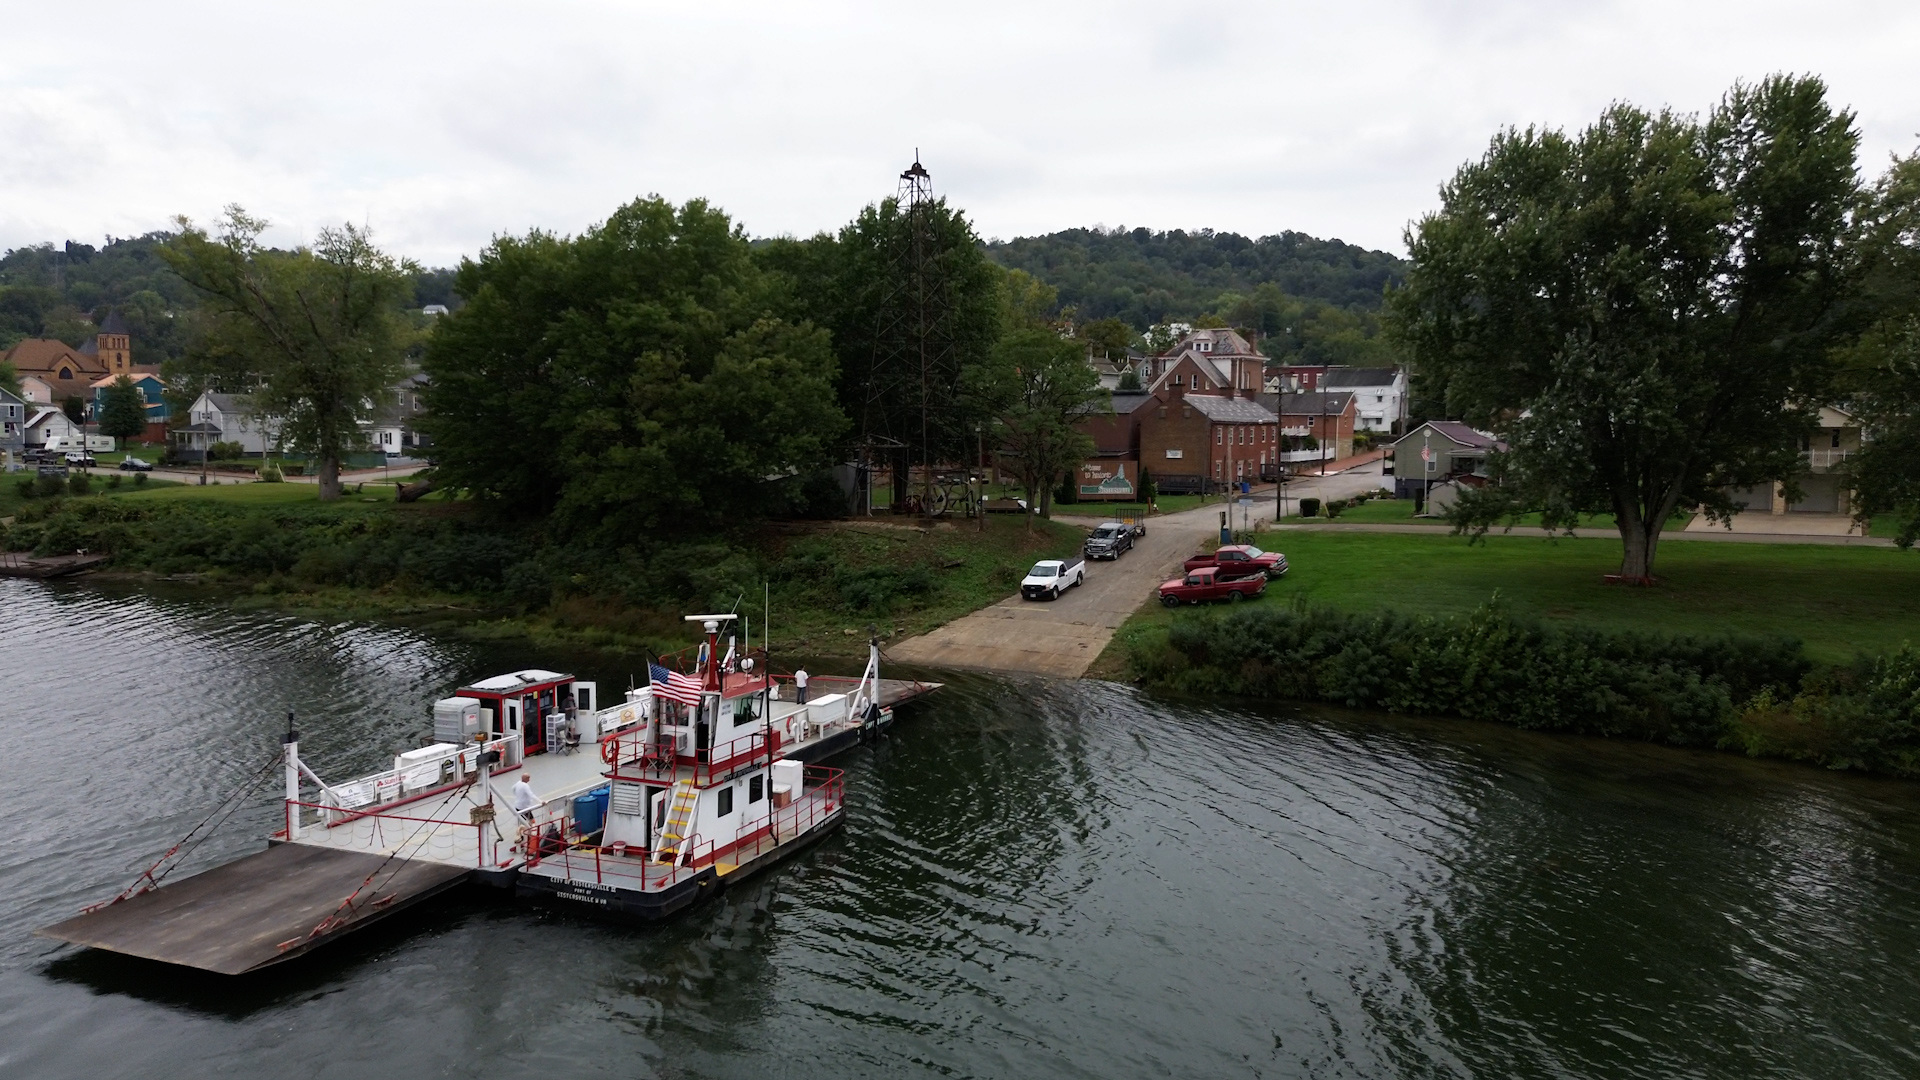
(1242, 561)
(1206, 584)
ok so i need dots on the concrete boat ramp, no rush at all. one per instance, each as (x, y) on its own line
(347, 868)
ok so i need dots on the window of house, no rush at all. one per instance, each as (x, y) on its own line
(725, 800)
(756, 789)
(1836, 438)
(66, 373)
(1176, 454)
(1216, 468)
(1219, 436)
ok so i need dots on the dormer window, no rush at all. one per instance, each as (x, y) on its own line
(66, 373)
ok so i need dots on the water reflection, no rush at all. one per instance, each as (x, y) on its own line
(1034, 878)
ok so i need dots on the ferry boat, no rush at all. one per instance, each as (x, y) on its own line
(699, 778)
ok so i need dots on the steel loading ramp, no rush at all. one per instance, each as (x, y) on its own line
(259, 910)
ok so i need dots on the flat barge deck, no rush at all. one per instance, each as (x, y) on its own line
(368, 848)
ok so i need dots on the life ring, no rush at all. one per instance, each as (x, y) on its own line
(610, 749)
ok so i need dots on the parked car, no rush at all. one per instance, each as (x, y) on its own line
(37, 456)
(1242, 560)
(134, 464)
(1207, 583)
(1051, 577)
(1109, 540)
(79, 457)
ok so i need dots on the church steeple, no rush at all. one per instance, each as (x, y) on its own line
(114, 344)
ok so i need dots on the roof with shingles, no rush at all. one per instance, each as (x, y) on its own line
(1359, 376)
(1226, 410)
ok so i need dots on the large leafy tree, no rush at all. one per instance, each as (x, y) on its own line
(913, 305)
(1642, 310)
(1881, 370)
(633, 379)
(1037, 387)
(314, 336)
(123, 412)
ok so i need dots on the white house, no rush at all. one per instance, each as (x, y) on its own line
(36, 391)
(1379, 395)
(13, 430)
(215, 417)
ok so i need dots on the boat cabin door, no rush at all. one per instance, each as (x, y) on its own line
(512, 726)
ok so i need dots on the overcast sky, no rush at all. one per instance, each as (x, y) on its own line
(444, 124)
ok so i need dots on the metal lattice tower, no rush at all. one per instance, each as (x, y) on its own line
(914, 373)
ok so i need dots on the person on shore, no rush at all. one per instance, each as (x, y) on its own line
(525, 802)
(800, 686)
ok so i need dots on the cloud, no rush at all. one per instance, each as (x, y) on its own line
(445, 124)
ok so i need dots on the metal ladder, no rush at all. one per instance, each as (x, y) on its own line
(679, 822)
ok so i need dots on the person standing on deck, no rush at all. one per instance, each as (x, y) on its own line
(525, 802)
(800, 686)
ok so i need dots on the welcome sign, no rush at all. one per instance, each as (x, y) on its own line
(1107, 479)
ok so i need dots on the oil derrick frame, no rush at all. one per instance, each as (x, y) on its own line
(914, 377)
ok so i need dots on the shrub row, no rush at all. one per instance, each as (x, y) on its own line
(1486, 665)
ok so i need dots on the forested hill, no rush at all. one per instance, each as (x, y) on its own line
(64, 292)
(1146, 277)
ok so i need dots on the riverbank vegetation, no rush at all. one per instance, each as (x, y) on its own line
(1783, 650)
(367, 555)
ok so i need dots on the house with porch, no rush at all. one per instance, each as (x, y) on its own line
(215, 417)
(1379, 395)
(1821, 478)
(1436, 452)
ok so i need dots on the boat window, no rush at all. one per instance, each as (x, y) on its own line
(745, 710)
(756, 789)
(726, 802)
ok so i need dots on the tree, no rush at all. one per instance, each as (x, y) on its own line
(1109, 337)
(1881, 370)
(75, 408)
(1129, 380)
(315, 334)
(905, 339)
(1038, 386)
(1642, 311)
(631, 380)
(123, 411)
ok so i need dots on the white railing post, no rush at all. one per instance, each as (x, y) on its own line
(290, 749)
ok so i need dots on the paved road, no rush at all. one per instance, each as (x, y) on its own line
(1063, 637)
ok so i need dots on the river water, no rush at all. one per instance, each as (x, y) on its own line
(1034, 879)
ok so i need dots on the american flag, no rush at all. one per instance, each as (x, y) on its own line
(674, 686)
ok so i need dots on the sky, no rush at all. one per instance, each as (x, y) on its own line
(442, 125)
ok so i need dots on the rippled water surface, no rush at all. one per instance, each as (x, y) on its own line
(1035, 879)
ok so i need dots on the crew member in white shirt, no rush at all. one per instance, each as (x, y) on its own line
(525, 802)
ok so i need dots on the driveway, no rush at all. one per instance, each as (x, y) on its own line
(1063, 637)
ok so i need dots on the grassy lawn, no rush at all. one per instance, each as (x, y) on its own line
(1167, 504)
(1400, 512)
(1840, 600)
(11, 501)
(258, 494)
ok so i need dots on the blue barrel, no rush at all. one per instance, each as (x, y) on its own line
(590, 812)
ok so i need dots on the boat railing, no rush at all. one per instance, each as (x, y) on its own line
(420, 779)
(409, 836)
